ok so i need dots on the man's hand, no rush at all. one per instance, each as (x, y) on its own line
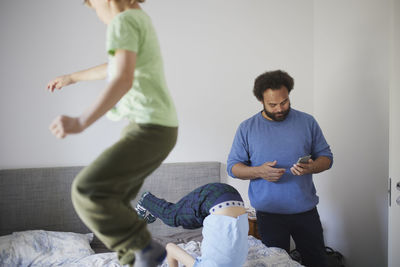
(268, 172)
(303, 168)
(60, 82)
(64, 125)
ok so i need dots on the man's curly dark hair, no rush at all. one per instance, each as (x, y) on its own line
(272, 80)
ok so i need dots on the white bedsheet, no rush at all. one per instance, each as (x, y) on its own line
(259, 256)
(42, 248)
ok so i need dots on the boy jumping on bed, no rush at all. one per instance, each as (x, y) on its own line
(137, 91)
(217, 207)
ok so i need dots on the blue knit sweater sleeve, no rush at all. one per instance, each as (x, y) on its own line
(240, 149)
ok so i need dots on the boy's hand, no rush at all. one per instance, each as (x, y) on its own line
(64, 125)
(60, 82)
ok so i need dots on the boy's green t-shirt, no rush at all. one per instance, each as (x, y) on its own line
(148, 101)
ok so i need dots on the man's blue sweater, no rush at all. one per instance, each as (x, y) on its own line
(259, 140)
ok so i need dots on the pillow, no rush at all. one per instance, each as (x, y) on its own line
(5, 242)
(43, 248)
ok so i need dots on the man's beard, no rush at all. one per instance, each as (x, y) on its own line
(282, 115)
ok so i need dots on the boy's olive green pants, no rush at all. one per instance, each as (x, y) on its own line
(101, 193)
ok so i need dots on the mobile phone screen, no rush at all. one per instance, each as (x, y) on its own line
(304, 159)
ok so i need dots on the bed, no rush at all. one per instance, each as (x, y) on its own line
(39, 227)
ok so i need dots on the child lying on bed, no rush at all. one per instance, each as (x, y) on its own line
(216, 207)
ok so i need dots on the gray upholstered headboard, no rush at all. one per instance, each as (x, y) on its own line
(39, 198)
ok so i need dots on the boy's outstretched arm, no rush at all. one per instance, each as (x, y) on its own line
(116, 89)
(96, 73)
(176, 254)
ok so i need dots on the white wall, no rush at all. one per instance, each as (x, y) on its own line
(39, 40)
(213, 50)
(212, 53)
(394, 140)
(351, 100)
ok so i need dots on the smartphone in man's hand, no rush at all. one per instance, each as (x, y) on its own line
(304, 159)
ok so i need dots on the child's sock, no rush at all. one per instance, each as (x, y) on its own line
(150, 256)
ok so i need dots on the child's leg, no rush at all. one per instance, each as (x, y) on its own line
(101, 193)
(176, 254)
(186, 212)
(190, 211)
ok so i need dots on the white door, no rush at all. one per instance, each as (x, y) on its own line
(394, 142)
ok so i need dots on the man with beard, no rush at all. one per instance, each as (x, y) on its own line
(265, 150)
